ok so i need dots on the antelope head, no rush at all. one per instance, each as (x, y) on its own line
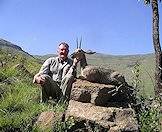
(79, 53)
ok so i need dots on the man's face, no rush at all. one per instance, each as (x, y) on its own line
(62, 52)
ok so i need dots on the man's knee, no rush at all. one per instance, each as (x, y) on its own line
(47, 79)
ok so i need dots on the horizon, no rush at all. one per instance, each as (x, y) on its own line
(70, 52)
(108, 27)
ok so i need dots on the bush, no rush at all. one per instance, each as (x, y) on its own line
(147, 110)
(149, 115)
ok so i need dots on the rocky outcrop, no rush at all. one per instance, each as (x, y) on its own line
(97, 107)
(101, 94)
(106, 106)
(111, 118)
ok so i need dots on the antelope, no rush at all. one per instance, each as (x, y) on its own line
(96, 74)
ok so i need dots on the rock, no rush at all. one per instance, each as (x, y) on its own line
(10, 80)
(45, 120)
(102, 75)
(111, 118)
(99, 94)
(23, 70)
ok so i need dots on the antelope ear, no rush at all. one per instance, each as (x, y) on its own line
(90, 52)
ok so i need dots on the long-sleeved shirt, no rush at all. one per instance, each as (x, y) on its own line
(57, 69)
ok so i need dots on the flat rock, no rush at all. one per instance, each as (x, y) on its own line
(111, 118)
(98, 94)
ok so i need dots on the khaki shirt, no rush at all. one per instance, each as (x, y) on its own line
(57, 69)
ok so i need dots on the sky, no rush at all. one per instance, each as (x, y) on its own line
(115, 27)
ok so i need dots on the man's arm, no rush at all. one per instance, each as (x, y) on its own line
(72, 70)
(45, 69)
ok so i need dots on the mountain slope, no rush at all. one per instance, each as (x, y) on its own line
(11, 55)
(12, 48)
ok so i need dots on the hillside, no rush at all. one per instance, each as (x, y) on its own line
(11, 54)
(125, 64)
(20, 107)
(19, 97)
(122, 63)
(12, 48)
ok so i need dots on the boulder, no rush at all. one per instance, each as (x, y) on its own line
(100, 94)
(110, 118)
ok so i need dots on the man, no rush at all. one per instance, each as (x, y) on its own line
(57, 75)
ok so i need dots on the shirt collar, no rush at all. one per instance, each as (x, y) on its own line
(62, 61)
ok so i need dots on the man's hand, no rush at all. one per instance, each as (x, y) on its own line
(39, 79)
(75, 61)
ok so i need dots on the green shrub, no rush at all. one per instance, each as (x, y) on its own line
(62, 126)
(149, 115)
(147, 109)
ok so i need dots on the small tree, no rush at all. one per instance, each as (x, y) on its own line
(157, 46)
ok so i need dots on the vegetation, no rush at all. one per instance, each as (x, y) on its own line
(147, 109)
(152, 113)
(20, 107)
(156, 44)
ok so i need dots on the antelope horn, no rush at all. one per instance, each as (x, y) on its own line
(80, 43)
(77, 43)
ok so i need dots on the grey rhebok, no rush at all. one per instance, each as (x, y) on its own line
(96, 74)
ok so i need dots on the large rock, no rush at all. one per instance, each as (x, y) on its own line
(103, 75)
(113, 119)
(99, 94)
(45, 120)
